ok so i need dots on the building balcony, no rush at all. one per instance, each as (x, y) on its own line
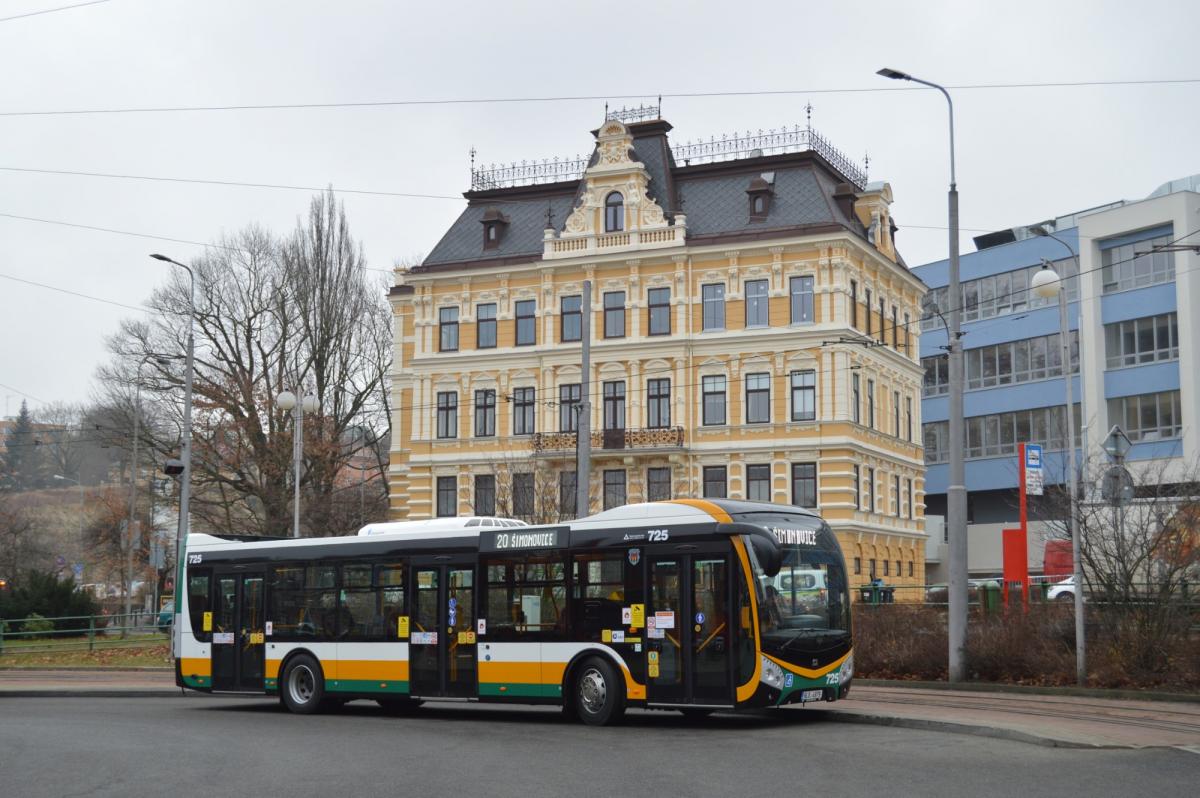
(627, 439)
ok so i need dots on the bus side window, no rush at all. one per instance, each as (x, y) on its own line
(526, 597)
(389, 582)
(598, 593)
(199, 586)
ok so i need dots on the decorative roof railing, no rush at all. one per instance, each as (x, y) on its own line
(641, 113)
(769, 142)
(726, 148)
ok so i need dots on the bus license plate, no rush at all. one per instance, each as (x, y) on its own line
(812, 695)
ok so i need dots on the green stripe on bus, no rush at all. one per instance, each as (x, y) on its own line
(498, 690)
(197, 681)
(366, 686)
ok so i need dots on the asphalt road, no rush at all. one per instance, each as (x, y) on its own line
(204, 746)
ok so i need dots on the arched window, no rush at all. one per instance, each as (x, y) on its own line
(760, 205)
(614, 213)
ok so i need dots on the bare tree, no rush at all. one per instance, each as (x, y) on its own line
(299, 315)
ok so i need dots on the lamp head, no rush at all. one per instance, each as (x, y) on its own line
(311, 404)
(286, 400)
(1046, 283)
(156, 256)
(893, 74)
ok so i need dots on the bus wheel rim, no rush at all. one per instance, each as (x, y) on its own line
(301, 685)
(593, 692)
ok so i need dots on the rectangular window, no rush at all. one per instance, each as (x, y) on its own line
(871, 404)
(526, 322)
(715, 482)
(448, 329)
(447, 414)
(1138, 264)
(571, 318)
(998, 434)
(614, 314)
(758, 482)
(714, 400)
(882, 326)
(1148, 417)
(858, 565)
(758, 398)
(857, 487)
(802, 299)
(614, 405)
(659, 313)
(1007, 363)
(912, 512)
(896, 492)
(896, 413)
(804, 484)
(756, 303)
(1146, 340)
(867, 308)
(567, 497)
(855, 399)
(569, 401)
(907, 334)
(886, 565)
(485, 494)
(523, 495)
(713, 296)
(447, 497)
(910, 567)
(485, 413)
(804, 395)
(525, 597)
(870, 490)
(523, 411)
(485, 326)
(895, 329)
(658, 403)
(908, 420)
(854, 304)
(658, 484)
(614, 488)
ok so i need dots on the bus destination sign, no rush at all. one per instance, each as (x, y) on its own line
(518, 539)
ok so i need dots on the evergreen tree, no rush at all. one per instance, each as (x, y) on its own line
(22, 458)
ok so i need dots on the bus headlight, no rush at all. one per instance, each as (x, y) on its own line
(846, 672)
(772, 674)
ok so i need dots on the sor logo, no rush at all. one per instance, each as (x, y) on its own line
(635, 556)
(658, 535)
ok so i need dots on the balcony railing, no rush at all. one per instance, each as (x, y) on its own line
(612, 439)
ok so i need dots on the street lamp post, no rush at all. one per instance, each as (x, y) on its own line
(287, 401)
(185, 479)
(956, 490)
(1047, 284)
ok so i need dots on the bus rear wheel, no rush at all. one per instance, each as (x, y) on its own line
(303, 686)
(598, 693)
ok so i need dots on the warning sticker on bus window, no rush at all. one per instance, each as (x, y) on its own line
(402, 626)
(423, 639)
(207, 622)
(638, 615)
(627, 616)
(606, 636)
(270, 628)
(481, 626)
(664, 620)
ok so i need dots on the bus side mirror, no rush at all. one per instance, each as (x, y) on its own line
(769, 556)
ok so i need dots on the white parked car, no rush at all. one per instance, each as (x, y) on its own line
(1062, 591)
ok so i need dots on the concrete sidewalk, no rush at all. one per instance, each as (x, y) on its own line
(1054, 720)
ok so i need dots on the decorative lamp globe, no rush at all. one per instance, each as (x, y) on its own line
(311, 404)
(286, 400)
(1046, 283)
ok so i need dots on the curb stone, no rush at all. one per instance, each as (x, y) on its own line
(993, 687)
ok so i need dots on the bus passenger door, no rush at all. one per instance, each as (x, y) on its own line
(441, 644)
(665, 635)
(238, 643)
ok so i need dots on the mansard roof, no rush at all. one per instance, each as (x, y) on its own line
(712, 196)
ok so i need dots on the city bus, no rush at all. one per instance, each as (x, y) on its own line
(671, 605)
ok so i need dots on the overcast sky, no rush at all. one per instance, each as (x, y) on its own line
(1024, 154)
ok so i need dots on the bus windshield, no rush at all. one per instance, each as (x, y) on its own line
(805, 606)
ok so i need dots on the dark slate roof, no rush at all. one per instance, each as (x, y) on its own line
(802, 196)
(522, 236)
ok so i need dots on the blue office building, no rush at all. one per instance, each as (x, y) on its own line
(1133, 324)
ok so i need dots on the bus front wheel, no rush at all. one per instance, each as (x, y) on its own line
(599, 693)
(303, 685)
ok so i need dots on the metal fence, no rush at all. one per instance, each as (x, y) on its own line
(80, 632)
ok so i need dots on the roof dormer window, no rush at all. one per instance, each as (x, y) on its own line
(494, 225)
(614, 213)
(759, 193)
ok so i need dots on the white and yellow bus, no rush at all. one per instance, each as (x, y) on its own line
(669, 605)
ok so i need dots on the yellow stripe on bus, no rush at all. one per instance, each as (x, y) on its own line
(746, 691)
(708, 507)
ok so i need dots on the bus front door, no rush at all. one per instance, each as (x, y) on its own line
(688, 648)
(238, 633)
(441, 643)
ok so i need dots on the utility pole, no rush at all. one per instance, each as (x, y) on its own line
(583, 429)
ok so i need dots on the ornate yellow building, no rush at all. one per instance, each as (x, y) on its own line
(753, 336)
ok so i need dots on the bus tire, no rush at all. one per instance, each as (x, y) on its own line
(598, 692)
(302, 688)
